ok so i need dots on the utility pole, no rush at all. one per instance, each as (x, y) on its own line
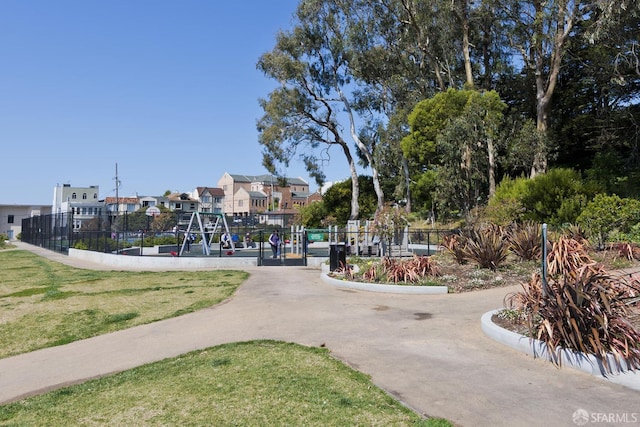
(117, 210)
(117, 185)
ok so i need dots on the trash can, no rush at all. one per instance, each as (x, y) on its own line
(337, 255)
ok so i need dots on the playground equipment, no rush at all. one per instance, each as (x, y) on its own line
(207, 230)
(362, 240)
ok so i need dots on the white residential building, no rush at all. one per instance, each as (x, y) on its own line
(82, 202)
(11, 217)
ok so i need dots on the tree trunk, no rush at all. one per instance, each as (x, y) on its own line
(355, 185)
(365, 150)
(492, 166)
(546, 81)
(539, 165)
(407, 182)
(463, 15)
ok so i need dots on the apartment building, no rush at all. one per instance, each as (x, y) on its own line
(82, 202)
(248, 195)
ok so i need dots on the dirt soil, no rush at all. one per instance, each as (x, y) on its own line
(469, 277)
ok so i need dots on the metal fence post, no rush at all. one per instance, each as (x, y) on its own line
(545, 286)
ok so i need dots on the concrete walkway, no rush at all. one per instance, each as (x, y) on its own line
(428, 351)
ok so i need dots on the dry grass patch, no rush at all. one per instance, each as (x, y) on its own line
(44, 303)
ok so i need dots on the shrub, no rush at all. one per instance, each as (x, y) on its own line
(582, 308)
(628, 251)
(101, 244)
(395, 270)
(554, 197)
(455, 244)
(525, 240)
(486, 246)
(567, 256)
(506, 204)
(81, 244)
(633, 235)
(165, 240)
(575, 232)
(606, 213)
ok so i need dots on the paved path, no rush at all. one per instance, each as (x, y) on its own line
(428, 351)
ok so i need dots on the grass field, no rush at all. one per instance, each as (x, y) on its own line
(257, 383)
(43, 303)
(261, 383)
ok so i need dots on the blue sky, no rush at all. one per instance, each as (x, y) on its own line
(168, 90)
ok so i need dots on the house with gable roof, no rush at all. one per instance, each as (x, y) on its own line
(248, 195)
(211, 199)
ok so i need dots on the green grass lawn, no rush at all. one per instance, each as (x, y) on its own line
(260, 383)
(43, 303)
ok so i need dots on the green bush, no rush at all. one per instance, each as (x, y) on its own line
(151, 241)
(313, 216)
(608, 213)
(556, 198)
(81, 244)
(632, 236)
(165, 240)
(100, 244)
(506, 204)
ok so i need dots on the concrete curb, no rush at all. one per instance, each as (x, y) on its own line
(165, 263)
(393, 289)
(576, 360)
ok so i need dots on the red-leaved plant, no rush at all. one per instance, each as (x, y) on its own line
(411, 270)
(582, 308)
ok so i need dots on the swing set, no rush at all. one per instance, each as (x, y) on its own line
(208, 225)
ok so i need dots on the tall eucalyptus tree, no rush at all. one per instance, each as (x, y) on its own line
(312, 63)
(401, 51)
(539, 31)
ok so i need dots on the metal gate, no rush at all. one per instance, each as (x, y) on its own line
(292, 250)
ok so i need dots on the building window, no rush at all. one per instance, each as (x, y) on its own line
(240, 203)
(95, 195)
(206, 199)
(131, 207)
(84, 196)
(10, 219)
(178, 206)
(74, 196)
